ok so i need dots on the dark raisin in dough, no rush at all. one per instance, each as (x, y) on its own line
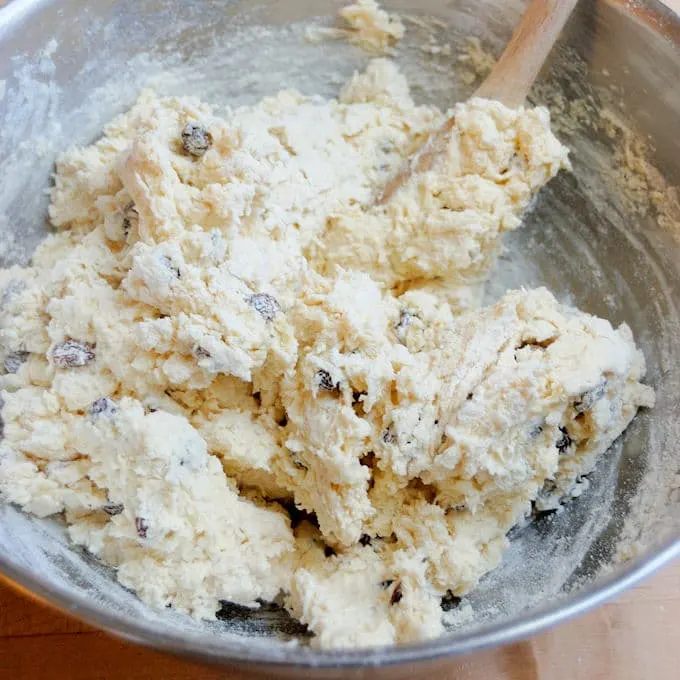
(72, 354)
(196, 140)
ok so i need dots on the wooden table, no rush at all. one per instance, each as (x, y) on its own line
(635, 637)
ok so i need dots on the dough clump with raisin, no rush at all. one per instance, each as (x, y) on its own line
(225, 326)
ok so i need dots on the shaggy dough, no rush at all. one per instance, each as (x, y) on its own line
(369, 27)
(373, 28)
(223, 326)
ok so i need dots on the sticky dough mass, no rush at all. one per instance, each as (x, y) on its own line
(218, 338)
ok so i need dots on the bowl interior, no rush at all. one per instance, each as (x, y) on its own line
(605, 238)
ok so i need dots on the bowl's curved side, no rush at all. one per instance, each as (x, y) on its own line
(288, 663)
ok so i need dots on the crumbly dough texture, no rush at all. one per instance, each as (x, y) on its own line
(216, 334)
(373, 28)
(365, 24)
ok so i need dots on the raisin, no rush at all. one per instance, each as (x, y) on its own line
(564, 442)
(365, 540)
(388, 436)
(201, 353)
(325, 382)
(588, 399)
(196, 140)
(282, 421)
(265, 305)
(258, 398)
(328, 551)
(72, 354)
(386, 583)
(535, 431)
(14, 360)
(141, 526)
(169, 264)
(130, 218)
(103, 406)
(397, 594)
(113, 509)
(449, 601)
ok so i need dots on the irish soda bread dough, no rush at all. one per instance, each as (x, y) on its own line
(223, 329)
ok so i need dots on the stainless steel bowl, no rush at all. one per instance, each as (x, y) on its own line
(606, 238)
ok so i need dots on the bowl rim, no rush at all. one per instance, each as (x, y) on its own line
(215, 650)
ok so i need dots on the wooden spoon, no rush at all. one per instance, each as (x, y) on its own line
(509, 82)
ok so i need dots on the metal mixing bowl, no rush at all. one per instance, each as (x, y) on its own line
(606, 238)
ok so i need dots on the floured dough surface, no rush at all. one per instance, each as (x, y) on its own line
(225, 326)
(365, 24)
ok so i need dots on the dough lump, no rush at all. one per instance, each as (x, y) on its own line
(214, 335)
(373, 28)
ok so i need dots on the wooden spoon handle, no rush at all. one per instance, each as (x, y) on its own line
(513, 75)
(509, 82)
